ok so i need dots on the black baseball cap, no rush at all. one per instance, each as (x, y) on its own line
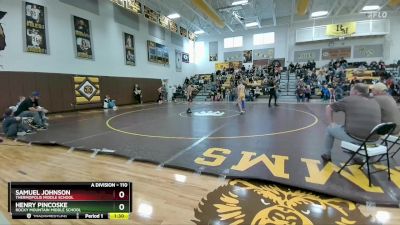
(2, 14)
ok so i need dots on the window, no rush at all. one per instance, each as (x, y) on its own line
(264, 38)
(233, 42)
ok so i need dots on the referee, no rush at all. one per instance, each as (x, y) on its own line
(272, 88)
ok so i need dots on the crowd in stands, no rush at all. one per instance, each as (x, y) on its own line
(223, 83)
(330, 82)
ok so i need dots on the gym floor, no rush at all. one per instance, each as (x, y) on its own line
(276, 151)
(161, 195)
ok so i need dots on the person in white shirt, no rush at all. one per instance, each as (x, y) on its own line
(137, 92)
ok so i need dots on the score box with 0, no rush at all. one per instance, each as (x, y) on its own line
(61, 198)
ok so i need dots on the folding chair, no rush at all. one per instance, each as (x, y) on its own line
(367, 150)
(393, 140)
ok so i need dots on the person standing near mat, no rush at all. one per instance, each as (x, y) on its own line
(189, 95)
(271, 85)
(137, 92)
(160, 95)
(241, 93)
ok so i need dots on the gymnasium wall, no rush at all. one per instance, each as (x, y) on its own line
(285, 44)
(203, 65)
(57, 91)
(391, 45)
(107, 43)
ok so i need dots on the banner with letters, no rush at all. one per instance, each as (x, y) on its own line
(221, 66)
(368, 51)
(339, 30)
(183, 31)
(304, 56)
(87, 90)
(233, 56)
(35, 28)
(83, 41)
(131, 5)
(151, 15)
(267, 53)
(129, 43)
(191, 36)
(336, 53)
(173, 27)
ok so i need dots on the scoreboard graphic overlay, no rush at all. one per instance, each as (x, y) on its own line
(75, 200)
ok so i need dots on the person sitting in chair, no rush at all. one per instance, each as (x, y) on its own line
(389, 110)
(109, 103)
(20, 100)
(13, 126)
(362, 115)
(30, 108)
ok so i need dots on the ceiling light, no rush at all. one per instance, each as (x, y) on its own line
(370, 8)
(252, 24)
(319, 14)
(174, 16)
(199, 32)
(241, 2)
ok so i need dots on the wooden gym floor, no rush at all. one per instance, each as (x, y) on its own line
(161, 195)
(278, 144)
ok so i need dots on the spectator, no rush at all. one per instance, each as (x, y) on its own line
(30, 108)
(109, 103)
(272, 87)
(307, 93)
(13, 126)
(20, 100)
(339, 92)
(332, 97)
(137, 92)
(388, 106)
(325, 93)
(300, 92)
(173, 91)
(257, 92)
(291, 67)
(362, 115)
(160, 94)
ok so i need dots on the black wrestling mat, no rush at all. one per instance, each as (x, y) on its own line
(279, 144)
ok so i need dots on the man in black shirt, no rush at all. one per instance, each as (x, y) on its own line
(271, 85)
(30, 108)
(137, 92)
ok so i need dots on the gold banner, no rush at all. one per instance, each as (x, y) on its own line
(221, 66)
(226, 65)
(339, 30)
